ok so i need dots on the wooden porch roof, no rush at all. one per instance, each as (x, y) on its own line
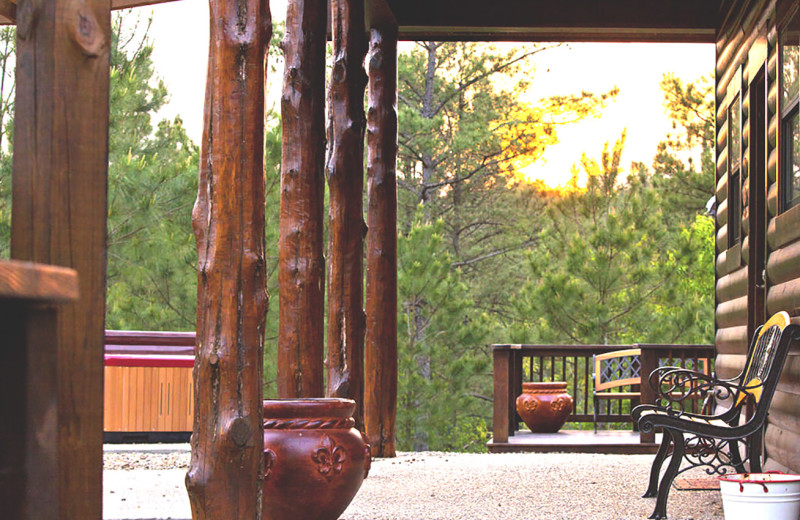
(563, 20)
(687, 21)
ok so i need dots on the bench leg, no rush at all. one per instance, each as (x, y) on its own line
(594, 411)
(678, 449)
(736, 455)
(655, 470)
(754, 451)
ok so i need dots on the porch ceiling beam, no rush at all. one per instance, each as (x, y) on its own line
(126, 4)
(566, 20)
(8, 12)
(8, 8)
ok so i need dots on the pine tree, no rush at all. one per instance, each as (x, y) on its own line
(443, 366)
(596, 267)
(684, 184)
(152, 186)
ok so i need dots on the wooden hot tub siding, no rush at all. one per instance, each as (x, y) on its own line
(148, 386)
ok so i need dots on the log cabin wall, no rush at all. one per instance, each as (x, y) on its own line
(758, 252)
(783, 244)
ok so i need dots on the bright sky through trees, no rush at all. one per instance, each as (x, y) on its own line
(180, 30)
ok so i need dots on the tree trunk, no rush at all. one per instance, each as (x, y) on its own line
(380, 396)
(345, 172)
(226, 470)
(301, 265)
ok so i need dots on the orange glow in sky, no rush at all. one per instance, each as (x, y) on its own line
(181, 30)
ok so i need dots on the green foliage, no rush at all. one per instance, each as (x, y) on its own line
(8, 45)
(441, 337)
(272, 170)
(684, 311)
(685, 186)
(463, 135)
(152, 186)
(596, 265)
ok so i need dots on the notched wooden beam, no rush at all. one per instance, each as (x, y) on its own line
(8, 12)
(31, 281)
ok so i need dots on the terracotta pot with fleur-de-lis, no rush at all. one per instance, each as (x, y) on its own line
(314, 459)
(544, 406)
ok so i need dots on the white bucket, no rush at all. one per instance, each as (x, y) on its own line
(767, 496)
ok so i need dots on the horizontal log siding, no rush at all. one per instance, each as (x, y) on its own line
(722, 212)
(722, 183)
(783, 229)
(782, 447)
(783, 280)
(772, 199)
(732, 340)
(729, 365)
(733, 46)
(784, 297)
(784, 264)
(783, 411)
(790, 379)
(732, 285)
(732, 312)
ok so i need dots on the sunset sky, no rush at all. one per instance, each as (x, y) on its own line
(181, 31)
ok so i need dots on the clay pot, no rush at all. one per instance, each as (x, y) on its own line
(544, 406)
(314, 459)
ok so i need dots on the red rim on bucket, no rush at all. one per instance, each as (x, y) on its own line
(761, 479)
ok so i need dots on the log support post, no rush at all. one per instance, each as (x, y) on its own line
(380, 396)
(345, 173)
(301, 264)
(226, 470)
(59, 218)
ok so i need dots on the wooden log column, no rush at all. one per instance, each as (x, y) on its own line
(301, 264)
(226, 469)
(380, 395)
(59, 214)
(345, 173)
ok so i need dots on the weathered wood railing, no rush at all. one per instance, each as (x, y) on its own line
(515, 364)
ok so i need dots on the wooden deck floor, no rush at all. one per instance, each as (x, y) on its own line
(574, 441)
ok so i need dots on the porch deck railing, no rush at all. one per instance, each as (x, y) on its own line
(515, 364)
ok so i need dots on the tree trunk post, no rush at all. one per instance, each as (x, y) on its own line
(380, 396)
(301, 264)
(226, 470)
(345, 173)
(59, 213)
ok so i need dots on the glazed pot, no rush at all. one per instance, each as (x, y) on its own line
(544, 406)
(314, 459)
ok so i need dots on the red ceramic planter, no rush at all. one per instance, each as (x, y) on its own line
(544, 406)
(314, 459)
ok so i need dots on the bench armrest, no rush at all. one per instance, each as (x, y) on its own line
(674, 386)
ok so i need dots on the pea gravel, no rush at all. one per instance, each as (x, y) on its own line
(436, 486)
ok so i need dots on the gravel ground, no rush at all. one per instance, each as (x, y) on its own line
(437, 486)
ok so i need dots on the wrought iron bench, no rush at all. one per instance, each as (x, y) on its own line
(712, 441)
